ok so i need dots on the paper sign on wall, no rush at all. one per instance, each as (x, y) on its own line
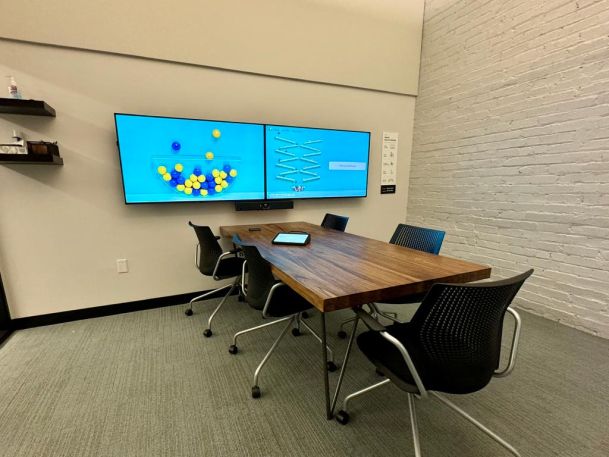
(389, 164)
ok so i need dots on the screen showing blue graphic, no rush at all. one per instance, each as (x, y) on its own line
(315, 163)
(180, 160)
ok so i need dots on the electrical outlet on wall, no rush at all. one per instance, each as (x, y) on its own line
(122, 266)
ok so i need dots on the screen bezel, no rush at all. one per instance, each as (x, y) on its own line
(264, 154)
(120, 158)
(266, 197)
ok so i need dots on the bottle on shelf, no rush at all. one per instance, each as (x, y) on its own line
(13, 90)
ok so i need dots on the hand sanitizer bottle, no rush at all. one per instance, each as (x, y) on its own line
(13, 90)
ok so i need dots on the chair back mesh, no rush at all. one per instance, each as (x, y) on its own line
(419, 238)
(457, 330)
(335, 222)
(260, 279)
(209, 248)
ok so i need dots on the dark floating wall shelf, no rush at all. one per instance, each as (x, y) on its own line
(29, 107)
(42, 159)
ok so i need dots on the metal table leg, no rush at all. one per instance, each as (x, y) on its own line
(324, 357)
(343, 368)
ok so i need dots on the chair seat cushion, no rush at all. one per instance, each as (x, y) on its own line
(457, 378)
(229, 267)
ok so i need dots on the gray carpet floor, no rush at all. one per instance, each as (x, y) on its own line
(149, 384)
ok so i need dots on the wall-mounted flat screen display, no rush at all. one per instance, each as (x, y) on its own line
(183, 160)
(315, 163)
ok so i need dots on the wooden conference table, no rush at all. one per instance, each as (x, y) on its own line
(340, 270)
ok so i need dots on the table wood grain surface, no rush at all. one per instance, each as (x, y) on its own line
(340, 270)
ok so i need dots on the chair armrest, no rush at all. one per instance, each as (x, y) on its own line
(409, 363)
(514, 346)
(218, 237)
(197, 249)
(376, 326)
(243, 271)
(269, 296)
(222, 256)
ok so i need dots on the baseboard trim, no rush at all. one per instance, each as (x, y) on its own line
(4, 334)
(106, 310)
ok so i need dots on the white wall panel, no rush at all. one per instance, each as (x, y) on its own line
(360, 43)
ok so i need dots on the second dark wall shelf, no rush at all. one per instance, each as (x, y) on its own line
(29, 108)
(43, 159)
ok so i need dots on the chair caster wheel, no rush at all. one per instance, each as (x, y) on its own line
(207, 333)
(188, 312)
(342, 417)
(295, 332)
(304, 315)
(332, 367)
(233, 349)
(256, 392)
(379, 372)
(342, 334)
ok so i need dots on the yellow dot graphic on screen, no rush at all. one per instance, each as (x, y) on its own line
(162, 170)
(193, 177)
(196, 185)
(218, 180)
(201, 178)
(233, 173)
(179, 167)
(215, 173)
(203, 192)
(216, 133)
(188, 183)
(224, 184)
(188, 191)
(209, 155)
(167, 177)
(180, 187)
(218, 188)
(223, 174)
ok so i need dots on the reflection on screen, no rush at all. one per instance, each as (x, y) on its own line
(315, 163)
(177, 160)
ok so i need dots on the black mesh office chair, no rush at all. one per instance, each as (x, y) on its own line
(413, 237)
(452, 344)
(276, 300)
(211, 261)
(335, 222)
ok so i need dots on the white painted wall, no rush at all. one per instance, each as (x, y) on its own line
(62, 228)
(511, 145)
(361, 43)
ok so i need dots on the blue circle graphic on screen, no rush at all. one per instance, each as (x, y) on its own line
(176, 146)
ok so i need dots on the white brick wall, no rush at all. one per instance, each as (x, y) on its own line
(511, 146)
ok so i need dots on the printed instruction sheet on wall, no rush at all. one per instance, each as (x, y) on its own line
(389, 165)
